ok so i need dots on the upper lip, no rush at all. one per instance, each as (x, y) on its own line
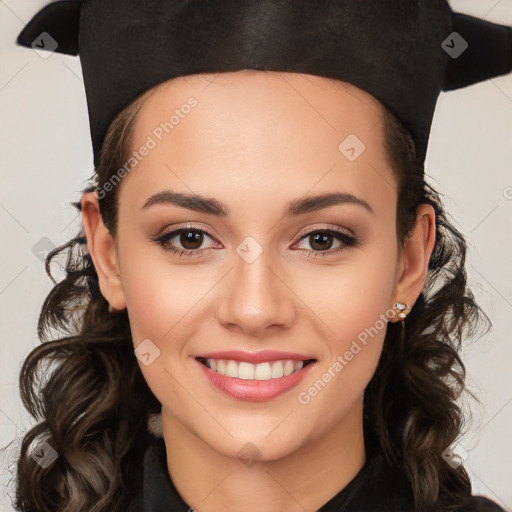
(254, 357)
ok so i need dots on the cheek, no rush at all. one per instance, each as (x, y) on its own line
(353, 303)
(351, 295)
(162, 304)
(161, 296)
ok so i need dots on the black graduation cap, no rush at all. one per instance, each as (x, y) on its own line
(403, 52)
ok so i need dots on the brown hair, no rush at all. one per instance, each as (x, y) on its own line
(95, 403)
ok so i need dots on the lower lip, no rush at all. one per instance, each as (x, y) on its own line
(255, 390)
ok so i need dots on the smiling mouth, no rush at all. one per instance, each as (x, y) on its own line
(260, 371)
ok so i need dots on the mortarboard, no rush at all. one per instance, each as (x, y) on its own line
(403, 52)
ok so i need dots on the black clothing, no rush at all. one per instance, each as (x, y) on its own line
(376, 488)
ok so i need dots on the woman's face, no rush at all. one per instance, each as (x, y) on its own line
(259, 146)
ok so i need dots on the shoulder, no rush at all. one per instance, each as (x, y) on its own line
(478, 504)
(381, 487)
(149, 487)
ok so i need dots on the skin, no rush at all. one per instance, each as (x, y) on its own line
(255, 141)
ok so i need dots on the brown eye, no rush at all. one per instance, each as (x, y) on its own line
(190, 240)
(321, 240)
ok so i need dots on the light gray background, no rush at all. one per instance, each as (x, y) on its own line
(46, 158)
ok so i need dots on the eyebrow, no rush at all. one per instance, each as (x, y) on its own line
(293, 208)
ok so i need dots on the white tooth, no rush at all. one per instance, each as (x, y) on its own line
(260, 371)
(263, 371)
(221, 366)
(288, 368)
(277, 369)
(246, 370)
(232, 369)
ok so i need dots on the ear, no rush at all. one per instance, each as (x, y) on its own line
(413, 261)
(102, 249)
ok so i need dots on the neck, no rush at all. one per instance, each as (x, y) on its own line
(304, 479)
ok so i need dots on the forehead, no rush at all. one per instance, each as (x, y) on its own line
(268, 82)
(260, 131)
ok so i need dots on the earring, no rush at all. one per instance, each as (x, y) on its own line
(401, 307)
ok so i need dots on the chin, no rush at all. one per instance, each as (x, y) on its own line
(251, 449)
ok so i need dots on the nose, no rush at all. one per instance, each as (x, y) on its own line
(256, 297)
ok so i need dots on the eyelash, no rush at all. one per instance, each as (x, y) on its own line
(163, 241)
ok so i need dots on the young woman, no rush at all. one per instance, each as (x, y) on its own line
(265, 306)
